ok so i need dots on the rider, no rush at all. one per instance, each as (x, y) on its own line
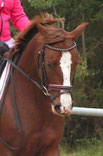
(11, 9)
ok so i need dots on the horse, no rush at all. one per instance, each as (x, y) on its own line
(38, 92)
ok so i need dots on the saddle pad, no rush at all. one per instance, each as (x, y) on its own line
(3, 78)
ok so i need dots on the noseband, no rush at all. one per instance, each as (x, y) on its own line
(44, 80)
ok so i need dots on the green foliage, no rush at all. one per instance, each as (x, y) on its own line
(42, 4)
(89, 147)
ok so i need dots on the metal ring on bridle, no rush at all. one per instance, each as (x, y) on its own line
(45, 91)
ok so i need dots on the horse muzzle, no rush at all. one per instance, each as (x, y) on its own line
(62, 105)
(61, 110)
(62, 101)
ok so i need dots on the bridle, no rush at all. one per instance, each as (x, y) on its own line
(46, 88)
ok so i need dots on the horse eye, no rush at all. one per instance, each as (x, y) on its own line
(51, 65)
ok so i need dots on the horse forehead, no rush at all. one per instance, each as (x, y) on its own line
(65, 64)
(66, 59)
(53, 56)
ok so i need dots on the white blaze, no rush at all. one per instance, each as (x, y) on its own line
(65, 64)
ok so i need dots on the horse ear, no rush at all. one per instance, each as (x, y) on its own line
(42, 29)
(78, 31)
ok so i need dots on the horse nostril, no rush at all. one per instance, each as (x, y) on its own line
(57, 108)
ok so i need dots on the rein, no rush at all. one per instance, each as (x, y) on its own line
(10, 79)
(44, 87)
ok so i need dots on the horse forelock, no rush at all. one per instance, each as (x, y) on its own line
(55, 34)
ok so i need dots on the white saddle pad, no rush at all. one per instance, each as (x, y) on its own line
(3, 78)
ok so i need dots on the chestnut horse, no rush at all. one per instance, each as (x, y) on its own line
(38, 89)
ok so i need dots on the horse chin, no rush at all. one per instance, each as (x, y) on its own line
(56, 110)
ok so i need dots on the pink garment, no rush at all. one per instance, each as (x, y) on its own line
(12, 10)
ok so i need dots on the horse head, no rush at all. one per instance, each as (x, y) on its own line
(56, 56)
(57, 61)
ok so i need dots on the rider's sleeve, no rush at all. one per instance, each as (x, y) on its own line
(18, 16)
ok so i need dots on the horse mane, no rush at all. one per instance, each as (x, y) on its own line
(55, 34)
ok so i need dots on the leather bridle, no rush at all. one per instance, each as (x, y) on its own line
(46, 88)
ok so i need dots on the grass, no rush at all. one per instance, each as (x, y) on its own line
(92, 149)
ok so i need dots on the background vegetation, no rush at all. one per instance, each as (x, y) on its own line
(88, 84)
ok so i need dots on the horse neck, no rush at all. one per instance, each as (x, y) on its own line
(28, 64)
(27, 61)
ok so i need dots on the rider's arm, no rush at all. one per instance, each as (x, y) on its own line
(18, 16)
